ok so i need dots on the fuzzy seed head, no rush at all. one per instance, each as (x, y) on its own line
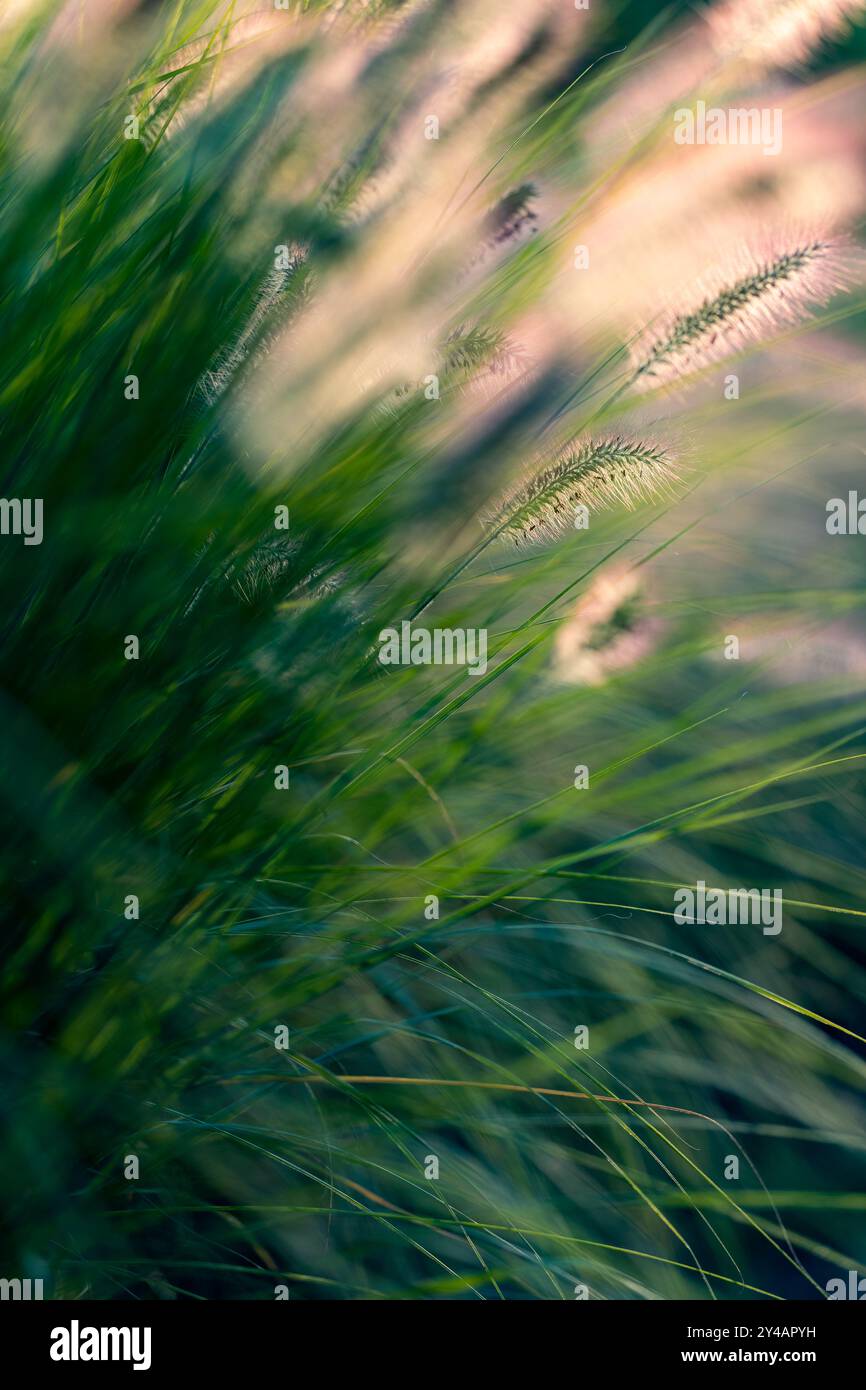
(609, 630)
(779, 33)
(595, 473)
(768, 294)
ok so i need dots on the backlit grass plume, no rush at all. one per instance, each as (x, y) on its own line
(779, 32)
(609, 630)
(591, 473)
(774, 292)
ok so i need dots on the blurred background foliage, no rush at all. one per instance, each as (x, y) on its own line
(281, 260)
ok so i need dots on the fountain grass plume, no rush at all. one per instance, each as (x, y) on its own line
(598, 472)
(778, 33)
(763, 295)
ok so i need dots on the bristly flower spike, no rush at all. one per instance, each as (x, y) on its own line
(769, 293)
(594, 473)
